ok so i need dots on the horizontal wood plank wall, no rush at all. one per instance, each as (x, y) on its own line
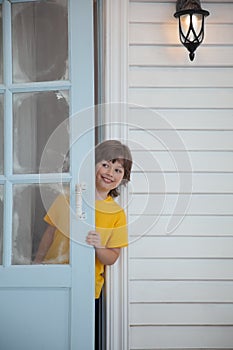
(181, 136)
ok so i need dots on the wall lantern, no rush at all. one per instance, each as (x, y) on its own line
(191, 24)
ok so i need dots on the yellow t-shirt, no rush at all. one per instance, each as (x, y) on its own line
(58, 216)
(110, 222)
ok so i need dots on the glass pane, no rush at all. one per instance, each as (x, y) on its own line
(40, 41)
(1, 135)
(1, 44)
(36, 116)
(30, 224)
(1, 221)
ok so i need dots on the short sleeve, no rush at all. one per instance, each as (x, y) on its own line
(58, 214)
(119, 235)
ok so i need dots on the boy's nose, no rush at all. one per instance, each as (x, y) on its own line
(110, 171)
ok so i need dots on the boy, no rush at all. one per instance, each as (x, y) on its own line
(113, 167)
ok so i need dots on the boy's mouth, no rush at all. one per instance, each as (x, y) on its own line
(107, 180)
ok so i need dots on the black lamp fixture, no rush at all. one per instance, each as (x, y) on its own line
(191, 24)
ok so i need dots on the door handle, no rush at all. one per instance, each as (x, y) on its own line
(79, 188)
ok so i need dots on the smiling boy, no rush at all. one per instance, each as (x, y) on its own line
(113, 167)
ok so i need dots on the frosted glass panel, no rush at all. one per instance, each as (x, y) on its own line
(1, 221)
(40, 41)
(36, 116)
(1, 45)
(29, 210)
(1, 135)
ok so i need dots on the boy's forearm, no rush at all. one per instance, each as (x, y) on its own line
(107, 256)
(45, 244)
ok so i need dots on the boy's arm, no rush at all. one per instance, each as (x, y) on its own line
(107, 256)
(45, 243)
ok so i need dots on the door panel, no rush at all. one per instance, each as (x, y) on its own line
(1, 133)
(1, 46)
(28, 223)
(29, 322)
(40, 41)
(1, 220)
(36, 115)
(44, 140)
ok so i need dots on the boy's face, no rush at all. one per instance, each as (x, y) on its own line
(108, 175)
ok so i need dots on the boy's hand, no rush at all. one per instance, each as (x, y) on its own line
(93, 238)
(107, 256)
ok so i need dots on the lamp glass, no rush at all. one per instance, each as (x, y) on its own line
(191, 25)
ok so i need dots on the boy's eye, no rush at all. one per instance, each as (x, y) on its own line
(105, 165)
(119, 171)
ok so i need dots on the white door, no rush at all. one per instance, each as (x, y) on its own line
(46, 80)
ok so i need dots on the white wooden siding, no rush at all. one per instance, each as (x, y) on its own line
(181, 135)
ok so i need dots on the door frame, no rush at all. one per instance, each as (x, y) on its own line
(115, 89)
(82, 103)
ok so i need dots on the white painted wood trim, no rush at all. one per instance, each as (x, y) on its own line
(116, 92)
(116, 45)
